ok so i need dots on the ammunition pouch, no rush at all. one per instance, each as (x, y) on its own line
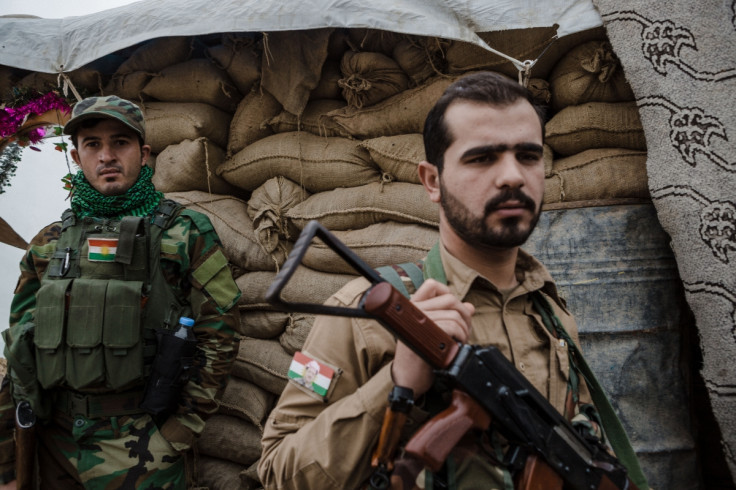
(102, 343)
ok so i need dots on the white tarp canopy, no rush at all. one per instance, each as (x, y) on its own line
(53, 45)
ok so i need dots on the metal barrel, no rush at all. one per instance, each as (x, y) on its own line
(615, 268)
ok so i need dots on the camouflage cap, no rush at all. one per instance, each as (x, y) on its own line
(111, 106)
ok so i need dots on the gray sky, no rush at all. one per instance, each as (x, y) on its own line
(36, 197)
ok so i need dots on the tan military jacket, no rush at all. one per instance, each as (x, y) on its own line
(308, 443)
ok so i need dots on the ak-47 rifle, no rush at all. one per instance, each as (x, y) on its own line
(545, 451)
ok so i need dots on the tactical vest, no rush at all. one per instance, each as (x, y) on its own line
(101, 299)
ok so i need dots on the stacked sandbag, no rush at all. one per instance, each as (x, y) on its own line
(596, 134)
(149, 58)
(265, 132)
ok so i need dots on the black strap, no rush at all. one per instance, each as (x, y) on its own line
(164, 212)
(68, 218)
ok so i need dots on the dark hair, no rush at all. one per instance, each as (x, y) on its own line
(484, 87)
(91, 123)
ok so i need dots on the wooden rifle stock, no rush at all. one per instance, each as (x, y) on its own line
(388, 439)
(25, 446)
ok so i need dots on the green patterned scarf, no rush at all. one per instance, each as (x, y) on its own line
(139, 200)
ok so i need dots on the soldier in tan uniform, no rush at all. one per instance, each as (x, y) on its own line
(483, 142)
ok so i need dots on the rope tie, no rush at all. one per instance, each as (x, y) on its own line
(524, 67)
(67, 85)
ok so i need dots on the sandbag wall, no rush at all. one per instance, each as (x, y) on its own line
(264, 132)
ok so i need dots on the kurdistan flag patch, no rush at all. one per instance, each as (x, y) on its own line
(310, 374)
(102, 249)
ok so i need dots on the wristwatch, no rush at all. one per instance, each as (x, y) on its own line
(401, 399)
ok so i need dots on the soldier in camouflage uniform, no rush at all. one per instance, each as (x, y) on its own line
(95, 290)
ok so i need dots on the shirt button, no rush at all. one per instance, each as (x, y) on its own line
(79, 422)
(521, 366)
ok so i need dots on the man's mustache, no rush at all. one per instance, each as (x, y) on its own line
(103, 168)
(510, 195)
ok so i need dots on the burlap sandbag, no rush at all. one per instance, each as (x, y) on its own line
(157, 54)
(421, 57)
(169, 123)
(128, 85)
(548, 157)
(328, 87)
(520, 44)
(86, 79)
(403, 113)
(261, 324)
(598, 174)
(311, 120)
(196, 80)
(365, 39)
(246, 401)
(264, 363)
(292, 64)
(595, 125)
(397, 156)
(191, 165)
(296, 332)
(220, 474)
(230, 438)
(305, 286)
(590, 72)
(346, 209)
(316, 162)
(230, 218)
(378, 244)
(238, 57)
(369, 78)
(539, 89)
(339, 43)
(267, 208)
(250, 122)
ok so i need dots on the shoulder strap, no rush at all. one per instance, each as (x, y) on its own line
(165, 212)
(416, 272)
(611, 423)
(68, 218)
(396, 275)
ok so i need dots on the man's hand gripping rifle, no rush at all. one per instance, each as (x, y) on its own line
(545, 451)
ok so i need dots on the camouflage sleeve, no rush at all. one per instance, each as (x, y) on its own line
(192, 258)
(32, 268)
